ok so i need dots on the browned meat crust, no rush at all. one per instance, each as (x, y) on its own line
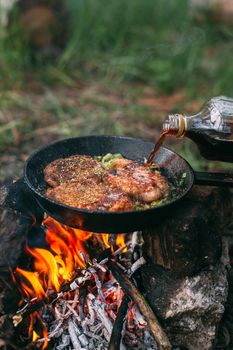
(137, 180)
(80, 182)
(90, 195)
(74, 168)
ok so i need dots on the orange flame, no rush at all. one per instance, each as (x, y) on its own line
(35, 317)
(35, 336)
(32, 284)
(58, 264)
(105, 238)
(120, 241)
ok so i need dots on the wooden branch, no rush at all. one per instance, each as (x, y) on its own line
(130, 289)
(35, 304)
(116, 336)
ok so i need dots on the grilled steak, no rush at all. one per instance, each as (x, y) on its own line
(81, 182)
(136, 180)
(75, 168)
(90, 195)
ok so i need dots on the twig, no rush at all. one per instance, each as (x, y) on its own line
(136, 265)
(152, 321)
(116, 336)
(35, 304)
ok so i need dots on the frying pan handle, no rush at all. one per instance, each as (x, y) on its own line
(213, 179)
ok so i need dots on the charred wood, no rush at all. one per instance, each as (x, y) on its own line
(35, 304)
(131, 290)
(116, 336)
(191, 238)
(13, 234)
(14, 227)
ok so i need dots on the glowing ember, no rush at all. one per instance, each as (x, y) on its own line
(57, 265)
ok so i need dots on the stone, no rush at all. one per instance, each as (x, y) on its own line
(186, 278)
(191, 307)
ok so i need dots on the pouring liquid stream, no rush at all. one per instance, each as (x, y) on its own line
(157, 146)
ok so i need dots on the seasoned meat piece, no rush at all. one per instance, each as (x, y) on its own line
(120, 163)
(137, 180)
(90, 195)
(74, 168)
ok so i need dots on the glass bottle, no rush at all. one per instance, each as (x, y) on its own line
(211, 129)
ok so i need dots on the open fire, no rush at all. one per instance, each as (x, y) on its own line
(70, 295)
(79, 290)
(66, 254)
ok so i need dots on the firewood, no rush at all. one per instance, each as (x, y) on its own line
(116, 336)
(130, 289)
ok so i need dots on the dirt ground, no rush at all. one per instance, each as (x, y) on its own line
(36, 116)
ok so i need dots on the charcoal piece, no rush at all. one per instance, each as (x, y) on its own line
(14, 228)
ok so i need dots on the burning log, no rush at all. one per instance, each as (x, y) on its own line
(130, 289)
(116, 336)
(71, 312)
(79, 280)
(35, 304)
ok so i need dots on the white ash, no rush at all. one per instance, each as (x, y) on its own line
(89, 327)
(94, 331)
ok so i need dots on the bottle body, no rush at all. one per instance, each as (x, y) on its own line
(211, 129)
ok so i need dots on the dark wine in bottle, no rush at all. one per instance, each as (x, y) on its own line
(211, 129)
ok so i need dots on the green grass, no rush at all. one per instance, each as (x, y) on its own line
(134, 40)
(157, 42)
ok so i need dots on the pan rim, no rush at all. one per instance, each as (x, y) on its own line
(102, 212)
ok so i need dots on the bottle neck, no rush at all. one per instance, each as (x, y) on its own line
(176, 125)
(212, 125)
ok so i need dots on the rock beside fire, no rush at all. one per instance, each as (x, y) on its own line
(191, 307)
(14, 228)
(186, 283)
(16, 196)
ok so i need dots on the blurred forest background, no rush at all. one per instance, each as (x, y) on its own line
(80, 67)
